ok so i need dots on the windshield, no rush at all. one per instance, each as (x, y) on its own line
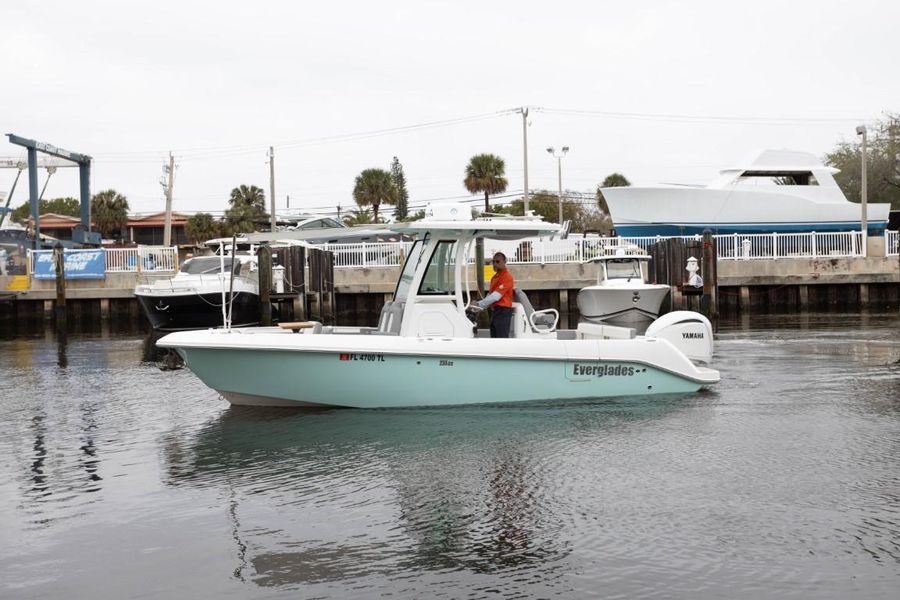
(409, 271)
(208, 264)
(440, 278)
(623, 268)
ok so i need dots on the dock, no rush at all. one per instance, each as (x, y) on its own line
(361, 279)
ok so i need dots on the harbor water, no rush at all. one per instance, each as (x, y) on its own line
(121, 479)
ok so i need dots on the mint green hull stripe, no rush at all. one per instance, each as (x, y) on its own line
(384, 380)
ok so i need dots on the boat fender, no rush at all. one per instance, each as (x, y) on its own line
(688, 331)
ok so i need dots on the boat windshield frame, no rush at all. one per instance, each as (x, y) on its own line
(410, 268)
(637, 270)
(215, 265)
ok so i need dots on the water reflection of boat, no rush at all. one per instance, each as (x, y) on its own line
(321, 497)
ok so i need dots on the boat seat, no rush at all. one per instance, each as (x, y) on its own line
(298, 326)
(540, 320)
(391, 316)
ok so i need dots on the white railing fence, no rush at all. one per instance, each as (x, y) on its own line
(154, 259)
(891, 242)
(368, 254)
(772, 246)
(576, 249)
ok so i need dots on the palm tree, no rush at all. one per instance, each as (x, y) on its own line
(485, 173)
(360, 216)
(374, 187)
(244, 195)
(109, 212)
(247, 209)
(201, 227)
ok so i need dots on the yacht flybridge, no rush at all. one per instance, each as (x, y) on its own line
(427, 351)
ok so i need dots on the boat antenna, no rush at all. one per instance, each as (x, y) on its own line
(231, 284)
(222, 282)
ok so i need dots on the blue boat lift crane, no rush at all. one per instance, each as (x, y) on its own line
(82, 233)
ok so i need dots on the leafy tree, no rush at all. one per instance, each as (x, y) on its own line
(401, 209)
(202, 227)
(246, 209)
(485, 173)
(883, 164)
(375, 187)
(416, 216)
(109, 212)
(612, 180)
(59, 206)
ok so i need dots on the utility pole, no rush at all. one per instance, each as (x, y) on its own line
(167, 186)
(524, 111)
(864, 223)
(272, 184)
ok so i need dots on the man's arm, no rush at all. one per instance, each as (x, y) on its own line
(489, 299)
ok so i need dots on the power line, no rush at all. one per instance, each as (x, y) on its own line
(683, 118)
(216, 152)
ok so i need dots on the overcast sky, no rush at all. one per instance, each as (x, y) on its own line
(218, 82)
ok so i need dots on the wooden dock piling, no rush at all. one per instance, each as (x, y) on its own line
(59, 309)
(264, 257)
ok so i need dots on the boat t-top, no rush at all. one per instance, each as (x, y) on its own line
(427, 351)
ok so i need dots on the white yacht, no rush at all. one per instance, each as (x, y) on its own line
(193, 298)
(622, 295)
(780, 191)
(427, 351)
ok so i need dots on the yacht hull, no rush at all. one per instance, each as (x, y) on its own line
(364, 372)
(197, 311)
(673, 211)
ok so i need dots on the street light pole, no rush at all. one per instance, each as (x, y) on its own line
(558, 157)
(524, 111)
(864, 222)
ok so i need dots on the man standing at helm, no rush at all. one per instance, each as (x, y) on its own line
(500, 298)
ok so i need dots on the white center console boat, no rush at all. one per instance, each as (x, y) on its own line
(427, 351)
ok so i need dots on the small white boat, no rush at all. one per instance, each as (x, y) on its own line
(774, 191)
(426, 350)
(622, 295)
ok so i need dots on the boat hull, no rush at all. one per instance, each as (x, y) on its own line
(197, 311)
(381, 380)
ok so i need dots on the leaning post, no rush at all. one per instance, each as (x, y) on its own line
(264, 257)
(59, 261)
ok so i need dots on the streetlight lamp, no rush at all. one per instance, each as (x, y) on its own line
(558, 157)
(863, 193)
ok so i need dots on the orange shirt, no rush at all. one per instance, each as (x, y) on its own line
(502, 283)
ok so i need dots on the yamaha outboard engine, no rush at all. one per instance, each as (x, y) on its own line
(688, 331)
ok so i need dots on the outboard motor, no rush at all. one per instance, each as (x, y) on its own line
(688, 331)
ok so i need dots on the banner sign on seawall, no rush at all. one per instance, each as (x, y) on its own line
(79, 264)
